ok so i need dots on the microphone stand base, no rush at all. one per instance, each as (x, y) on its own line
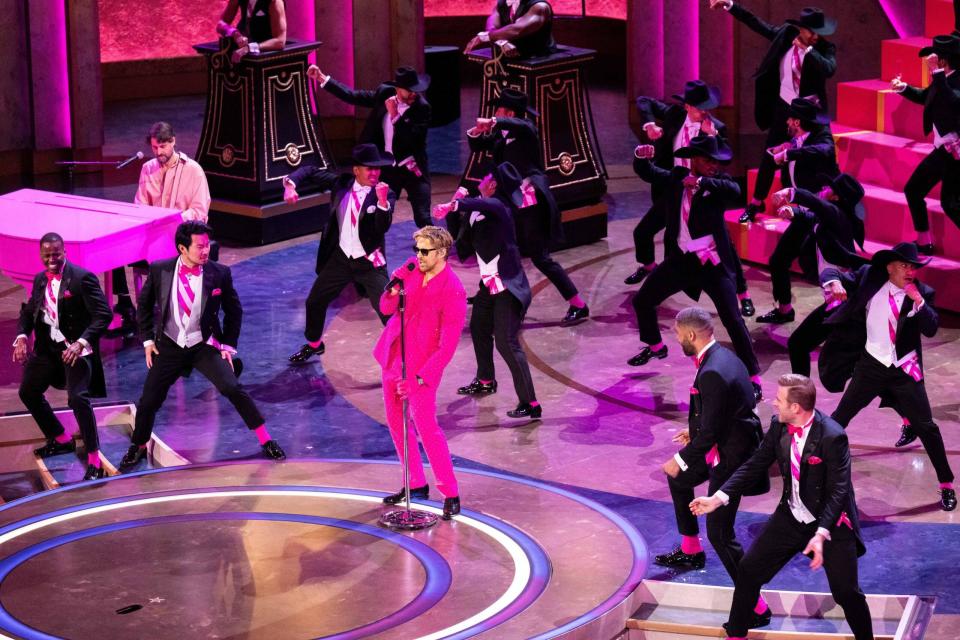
(408, 520)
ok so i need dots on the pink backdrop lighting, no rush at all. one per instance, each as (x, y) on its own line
(598, 8)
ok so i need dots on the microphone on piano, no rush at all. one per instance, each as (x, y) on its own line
(137, 156)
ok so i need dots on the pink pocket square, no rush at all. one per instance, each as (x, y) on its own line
(67, 294)
(814, 460)
(216, 292)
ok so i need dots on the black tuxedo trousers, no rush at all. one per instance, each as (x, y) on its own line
(336, 274)
(940, 167)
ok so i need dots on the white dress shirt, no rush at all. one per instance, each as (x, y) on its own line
(693, 129)
(879, 316)
(388, 125)
(54, 323)
(188, 334)
(349, 232)
(787, 92)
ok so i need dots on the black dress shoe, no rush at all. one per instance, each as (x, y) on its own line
(575, 315)
(416, 493)
(94, 473)
(477, 388)
(305, 352)
(677, 558)
(948, 499)
(637, 276)
(451, 507)
(760, 619)
(272, 450)
(646, 354)
(925, 249)
(526, 411)
(134, 454)
(746, 308)
(54, 448)
(750, 213)
(907, 435)
(777, 317)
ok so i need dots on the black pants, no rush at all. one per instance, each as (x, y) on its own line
(167, 367)
(776, 134)
(677, 273)
(44, 368)
(533, 232)
(497, 318)
(794, 243)
(871, 379)
(720, 531)
(781, 539)
(643, 241)
(417, 188)
(809, 335)
(120, 288)
(336, 274)
(940, 167)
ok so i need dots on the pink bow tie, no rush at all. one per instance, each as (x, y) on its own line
(189, 271)
(54, 276)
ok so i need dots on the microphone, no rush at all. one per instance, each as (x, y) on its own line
(137, 156)
(400, 278)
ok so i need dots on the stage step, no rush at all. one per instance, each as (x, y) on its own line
(673, 611)
(939, 17)
(879, 159)
(873, 105)
(902, 56)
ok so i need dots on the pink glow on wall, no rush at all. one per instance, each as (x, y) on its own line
(51, 74)
(136, 30)
(598, 8)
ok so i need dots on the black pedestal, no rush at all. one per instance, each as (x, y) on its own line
(443, 66)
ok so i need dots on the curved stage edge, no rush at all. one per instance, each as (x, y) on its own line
(263, 550)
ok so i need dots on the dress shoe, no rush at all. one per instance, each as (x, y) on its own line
(526, 411)
(134, 454)
(54, 448)
(94, 473)
(477, 388)
(677, 558)
(746, 308)
(637, 276)
(760, 619)
(757, 391)
(777, 317)
(575, 315)
(925, 249)
(948, 499)
(907, 435)
(416, 493)
(451, 507)
(646, 354)
(305, 352)
(750, 213)
(272, 450)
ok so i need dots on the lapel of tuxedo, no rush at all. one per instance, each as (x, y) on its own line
(784, 456)
(813, 440)
(206, 288)
(65, 280)
(166, 286)
(905, 307)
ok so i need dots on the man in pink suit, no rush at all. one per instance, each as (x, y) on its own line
(436, 310)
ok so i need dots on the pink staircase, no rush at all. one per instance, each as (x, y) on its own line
(880, 140)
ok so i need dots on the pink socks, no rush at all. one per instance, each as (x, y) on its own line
(64, 437)
(315, 345)
(786, 308)
(534, 403)
(484, 381)
(761, 607)
(93, 458)
(924, 237)
(946, 485)
(262, 434)
(656, 347)
(691, 545)
(577, 301)
(743, 296)
(756, 379)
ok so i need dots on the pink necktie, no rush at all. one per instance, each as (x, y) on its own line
(912, 366)
(685, 142)
(797, 64)
(50, 300)
(356, 207)
(795, 459)
(185, 295)
(685, 203)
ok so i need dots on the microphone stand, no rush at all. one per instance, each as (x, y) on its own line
(70, 165)
(406, 519)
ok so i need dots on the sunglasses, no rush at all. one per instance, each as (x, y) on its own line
(423, 251)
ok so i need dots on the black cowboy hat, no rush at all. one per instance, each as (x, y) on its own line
(368, 155)
(700, 95)
(708, 147)
(408, 78)
(848, 189)
(943, 46)
(816, 20)
(807, 110)
(508, 183)
(514, 100)
(904, 251)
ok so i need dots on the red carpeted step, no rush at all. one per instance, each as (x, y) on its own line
(879, 158)
(903, 57)
(939, 17)
(873, 105)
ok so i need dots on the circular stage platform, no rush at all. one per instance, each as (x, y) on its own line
(293, 550)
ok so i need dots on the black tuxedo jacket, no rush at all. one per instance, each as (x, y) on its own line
(409, 131)
(217, 293)
(817, 155)
(819, 64)
(82, 310)
(670, 118)
(373, 224)
(722, 414)
(495, 235)
(836, 229)
(826, 488)
(941, 102)
(706, 209)
(848, 337)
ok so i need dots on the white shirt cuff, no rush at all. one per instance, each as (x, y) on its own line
(484, 36)
(724, 498)
(826, 285)
(83, 343)
(22, 335)
(683, 465)
(940, 70)
(473, 133)
(916, 308)
(147, 343)
(648, 124)
(383, 208)
(825, 533)
(287, 182)
(231, 350)
(325, 81)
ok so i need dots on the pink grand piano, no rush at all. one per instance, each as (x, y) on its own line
(99, 235)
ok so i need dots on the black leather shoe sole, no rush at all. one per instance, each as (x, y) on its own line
(476, 388)
(777, 317)
(907, 435)
(746, 308)
(636, 277)
(526, 411)
(451, 507)
(948, 499)
(677, 558)
(306, 352)
(54, 448)
(761, 619)
(416, 493)
(646, 355)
